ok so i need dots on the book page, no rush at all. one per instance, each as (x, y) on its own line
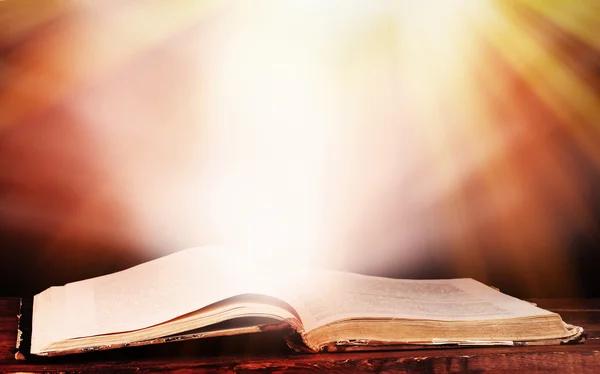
(150, 293)
(336, 295)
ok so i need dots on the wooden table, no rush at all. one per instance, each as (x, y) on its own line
(268, 353)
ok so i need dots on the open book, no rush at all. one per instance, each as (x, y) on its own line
(204, 292)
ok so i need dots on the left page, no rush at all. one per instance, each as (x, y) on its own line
(146, 295)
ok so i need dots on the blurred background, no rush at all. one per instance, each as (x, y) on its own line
(412, 139)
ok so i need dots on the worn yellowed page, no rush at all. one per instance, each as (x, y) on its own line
(148, 294)
(336, 296)
(47, 321)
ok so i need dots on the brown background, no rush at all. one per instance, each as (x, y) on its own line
(61, 221)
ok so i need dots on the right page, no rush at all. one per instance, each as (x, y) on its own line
(333, 296)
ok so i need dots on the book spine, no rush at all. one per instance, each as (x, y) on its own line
(23, 343)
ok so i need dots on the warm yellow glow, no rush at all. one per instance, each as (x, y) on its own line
(376, 135)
